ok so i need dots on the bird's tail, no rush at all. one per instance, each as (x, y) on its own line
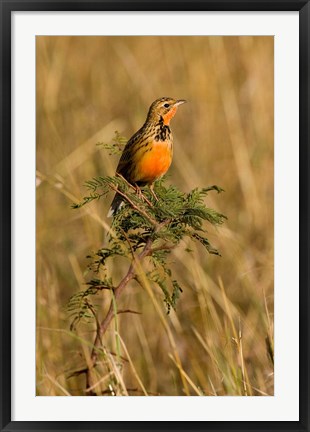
(115, 205)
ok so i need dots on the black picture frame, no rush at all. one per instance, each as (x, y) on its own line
(6, 8)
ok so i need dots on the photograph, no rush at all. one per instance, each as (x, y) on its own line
(154, 215)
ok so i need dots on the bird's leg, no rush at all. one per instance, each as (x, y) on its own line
(141, 196)
(138, 191)
(153, 192)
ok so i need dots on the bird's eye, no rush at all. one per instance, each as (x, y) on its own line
(166, 105)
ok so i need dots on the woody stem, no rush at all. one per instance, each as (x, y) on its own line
(103, 326)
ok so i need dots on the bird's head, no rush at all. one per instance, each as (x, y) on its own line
(164, 109)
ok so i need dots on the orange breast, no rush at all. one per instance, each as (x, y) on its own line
(155, 162)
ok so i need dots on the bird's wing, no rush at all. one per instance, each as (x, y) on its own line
(127, 155)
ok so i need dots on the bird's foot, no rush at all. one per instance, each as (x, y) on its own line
(141, 196)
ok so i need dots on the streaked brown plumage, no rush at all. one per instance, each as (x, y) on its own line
(148, 154)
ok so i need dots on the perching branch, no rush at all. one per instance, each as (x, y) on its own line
(144, 227)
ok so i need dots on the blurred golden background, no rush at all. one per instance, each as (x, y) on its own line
(222, 330)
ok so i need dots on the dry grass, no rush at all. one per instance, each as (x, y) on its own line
(215, 342)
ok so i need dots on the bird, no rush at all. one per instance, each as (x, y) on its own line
(147, 155)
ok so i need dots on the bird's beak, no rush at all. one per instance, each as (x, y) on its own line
(180, 102)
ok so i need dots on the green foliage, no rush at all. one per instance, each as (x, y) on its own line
(79, 307)
(116, 146)
(165, 222)
(162, 223)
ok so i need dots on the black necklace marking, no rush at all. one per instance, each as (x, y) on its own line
(163, 132)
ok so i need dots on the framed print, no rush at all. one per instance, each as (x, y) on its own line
(154, 215)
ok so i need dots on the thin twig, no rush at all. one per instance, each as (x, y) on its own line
(90, 307)
(242, 359)
(163, 247)
(110, 314)
(136, 189)
(128, 311)
(134, 206)
(127, 182)
(130, 245)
